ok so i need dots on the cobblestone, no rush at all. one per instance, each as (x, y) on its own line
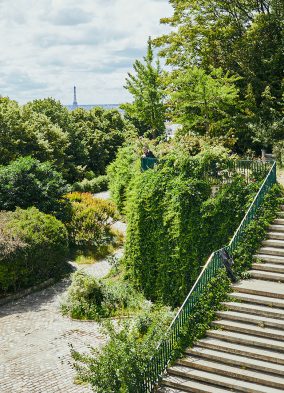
(35, 340)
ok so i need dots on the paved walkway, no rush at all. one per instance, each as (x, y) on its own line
(35, 337)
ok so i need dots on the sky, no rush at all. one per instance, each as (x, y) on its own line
(48, 46)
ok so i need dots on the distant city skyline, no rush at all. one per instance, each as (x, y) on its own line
(53, 45)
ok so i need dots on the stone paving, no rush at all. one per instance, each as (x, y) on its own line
(35, 337)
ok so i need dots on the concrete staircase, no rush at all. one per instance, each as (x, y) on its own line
(246, 353)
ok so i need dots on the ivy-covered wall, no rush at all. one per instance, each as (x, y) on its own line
(174, 223)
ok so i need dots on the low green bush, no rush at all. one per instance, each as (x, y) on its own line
(27, 182)
(89, 221)
(117, 367)
(89, 298)
(98, 184)
(33, 248)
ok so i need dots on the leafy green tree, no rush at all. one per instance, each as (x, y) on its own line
(102, 133)
(13, 138)
(204, 103)
(243, 37)
(147, 111)
(27, 182)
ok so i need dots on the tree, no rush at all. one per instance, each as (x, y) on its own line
(203, 102)
(147, 111)
(243, 37)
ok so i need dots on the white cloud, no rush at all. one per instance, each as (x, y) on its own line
(47, 46)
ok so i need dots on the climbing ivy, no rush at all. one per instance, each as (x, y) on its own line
(174, 223)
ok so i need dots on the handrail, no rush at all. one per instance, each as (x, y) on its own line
(165, 350)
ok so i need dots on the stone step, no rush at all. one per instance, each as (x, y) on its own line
(256, 299)
(272, 251)
(246, 339)
(255, 309)
(260, 288)
(280, 214)
(276, 235)
(269, 258)
(268, 267)
(249, 329)
(273, 243)
(235, 360)
(174, 384)
(219, 368)
(251, 319)
(267, 276)
(248, 351)
(276, 228)
(190, 374)
(278, 221)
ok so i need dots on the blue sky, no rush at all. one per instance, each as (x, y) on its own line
(47, 46)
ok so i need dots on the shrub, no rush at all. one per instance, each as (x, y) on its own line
(88, 298)
(33, 246)
(120, 174)
(27, 182)
(131, 344)
(98, 184)
(89, 225)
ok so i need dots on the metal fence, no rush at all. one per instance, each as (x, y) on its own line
(165, 351)
(218, 172)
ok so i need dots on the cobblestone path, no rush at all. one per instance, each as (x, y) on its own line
(35, 337)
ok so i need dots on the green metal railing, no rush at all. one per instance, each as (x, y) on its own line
(165, 351)
(221, 172)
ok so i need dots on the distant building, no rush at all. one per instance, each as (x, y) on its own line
(75, 103)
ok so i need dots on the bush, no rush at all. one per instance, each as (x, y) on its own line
(33, 247)
(89, 224)
(88, 298)
(98, 184)
(27, 182)
(118, 366)
(120, 174)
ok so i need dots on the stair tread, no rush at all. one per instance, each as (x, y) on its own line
(267, 265)
(250, 350)
(253, 318)
(272, 249)
(266, 275)
(272, 289)
(257, 308)
(251, 329)
(276, 226)
(270, 258)
(198, 386)
(231, 371)
(258, 298)
(252, 340)
(222, 380)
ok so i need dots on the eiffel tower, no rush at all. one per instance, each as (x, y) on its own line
(75, 103)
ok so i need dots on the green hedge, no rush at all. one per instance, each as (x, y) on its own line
(173, 226)
(98, 184)
(33, 248)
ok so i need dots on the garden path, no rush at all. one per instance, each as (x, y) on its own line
(35, 337)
